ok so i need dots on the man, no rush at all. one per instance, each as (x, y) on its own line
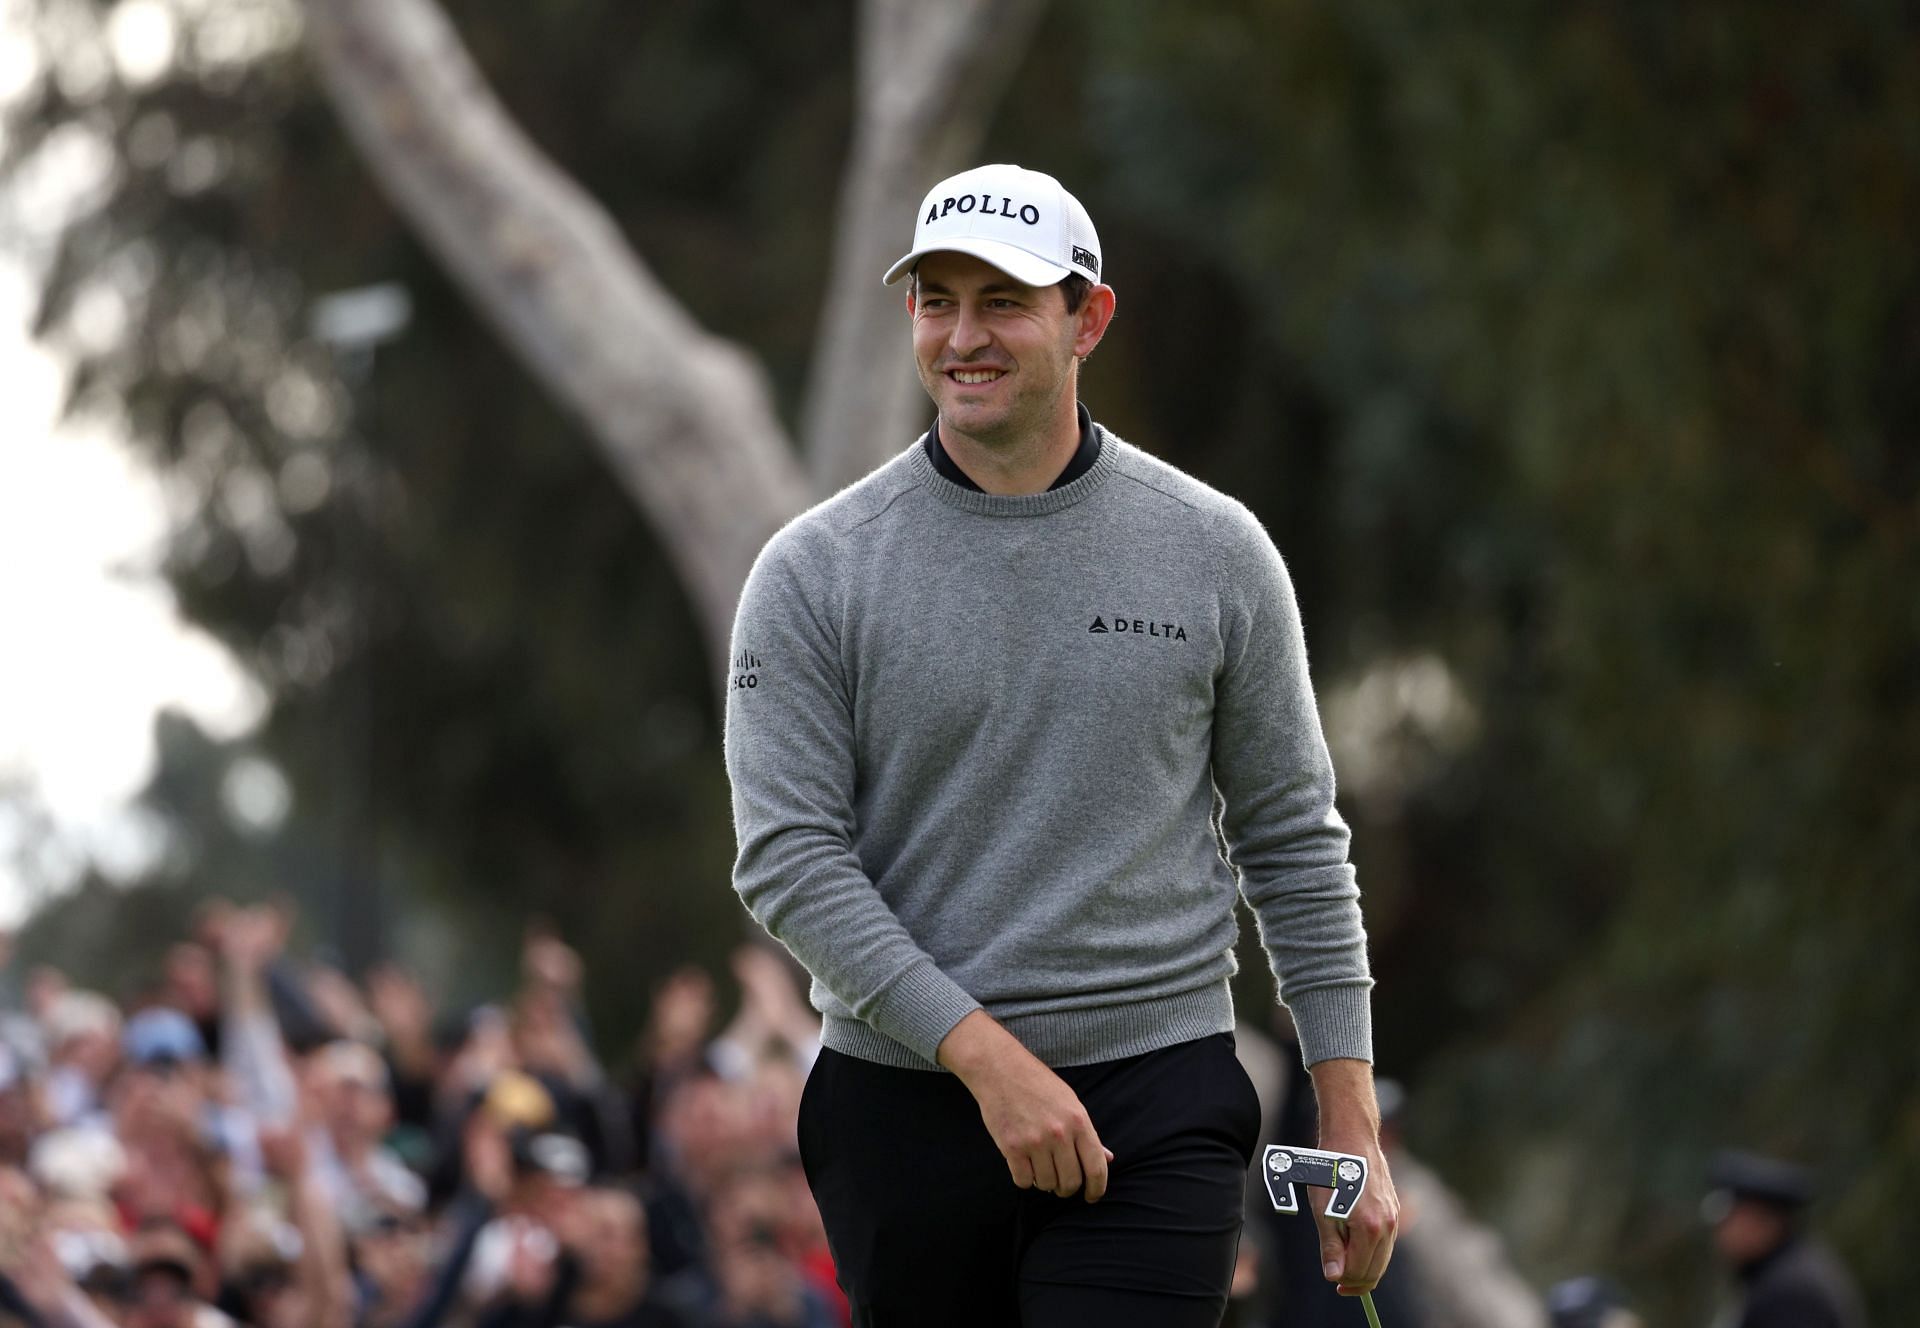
(598, 1277)
(83, 1033)
(1787, 1279)
(980, 705)
(173, 1281)
(365, 1178)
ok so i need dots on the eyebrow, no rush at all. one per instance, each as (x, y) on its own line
(991, 288)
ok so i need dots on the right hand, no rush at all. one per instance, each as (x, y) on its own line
(548, 961)
(681, 1020)
(486, 1156)
(1038, 1123)
(399, 1005)
(283, 1150)
(531, 1266)
(251, 938)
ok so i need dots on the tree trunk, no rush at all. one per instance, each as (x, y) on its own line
(685, 420)
(930, 76)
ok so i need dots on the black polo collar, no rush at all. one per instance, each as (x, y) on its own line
(1083, 456)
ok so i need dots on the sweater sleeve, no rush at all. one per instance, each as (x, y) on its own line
(1281, 830)
(791, 757)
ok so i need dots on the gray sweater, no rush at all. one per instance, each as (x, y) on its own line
(985, 752)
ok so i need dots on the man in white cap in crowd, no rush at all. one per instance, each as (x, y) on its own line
(982, 705)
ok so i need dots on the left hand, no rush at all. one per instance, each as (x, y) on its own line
(1354, 1253)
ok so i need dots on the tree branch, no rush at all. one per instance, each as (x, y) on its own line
(930, 77)
(685, 420)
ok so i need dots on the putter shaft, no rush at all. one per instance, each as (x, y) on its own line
(1373, 1315)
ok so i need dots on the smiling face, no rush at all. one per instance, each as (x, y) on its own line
(999, 357)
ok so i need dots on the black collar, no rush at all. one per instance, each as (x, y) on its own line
(1083, 456)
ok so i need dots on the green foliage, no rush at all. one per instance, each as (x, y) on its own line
(1618, 324)
(488, 693)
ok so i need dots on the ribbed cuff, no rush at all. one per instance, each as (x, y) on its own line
(920, 1009)
(1334, 1022)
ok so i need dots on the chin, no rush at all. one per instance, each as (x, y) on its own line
(981, 426)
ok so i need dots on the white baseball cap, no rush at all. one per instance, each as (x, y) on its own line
(1021, 221)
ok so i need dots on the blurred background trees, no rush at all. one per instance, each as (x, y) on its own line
(1572, 354)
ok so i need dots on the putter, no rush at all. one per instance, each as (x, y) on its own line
(1345, 1174)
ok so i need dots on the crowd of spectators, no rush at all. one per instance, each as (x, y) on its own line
(259, 1141)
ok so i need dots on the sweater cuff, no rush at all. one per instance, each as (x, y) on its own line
(920, 1008)
(1334, 1022)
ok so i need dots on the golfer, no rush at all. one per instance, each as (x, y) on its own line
(995, 713)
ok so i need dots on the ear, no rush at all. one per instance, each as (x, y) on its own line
(1091, 319)
(911, 301)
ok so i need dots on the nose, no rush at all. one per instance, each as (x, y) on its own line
(969, 332)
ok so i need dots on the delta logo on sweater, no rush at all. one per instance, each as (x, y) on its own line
(1138, 627)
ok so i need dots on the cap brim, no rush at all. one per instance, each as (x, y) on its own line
(1022, 266)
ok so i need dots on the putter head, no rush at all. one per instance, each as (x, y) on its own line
(1344, 1173)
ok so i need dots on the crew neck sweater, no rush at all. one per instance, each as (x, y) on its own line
(1084, 455)
(1019, 752)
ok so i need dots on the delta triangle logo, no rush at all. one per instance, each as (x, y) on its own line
(1098, 626)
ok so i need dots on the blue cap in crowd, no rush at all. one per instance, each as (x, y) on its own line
(161, 1035)
(1584, 1302)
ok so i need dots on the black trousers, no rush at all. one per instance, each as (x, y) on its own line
(929, 1231)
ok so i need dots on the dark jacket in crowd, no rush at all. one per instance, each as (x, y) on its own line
(1799, 1285)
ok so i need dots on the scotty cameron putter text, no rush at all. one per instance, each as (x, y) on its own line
(1343, 1173)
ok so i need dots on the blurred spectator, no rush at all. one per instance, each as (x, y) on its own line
(19, 1108)
(189, 985)
(759, 1273)
(162, 1037)
(85, 1240)
(395, 1267)
(598, 1275)
(160, 1111)
(1757, 1210)
(45, 984)
(36, 1284)
(550, 1041)
(364, 1179)
(81, 1163)
(673, 1047)
(83, 1045)
(405, 1017)
(171, 1282)
(263, 1142)
(514, 1258)
(1589, 1302)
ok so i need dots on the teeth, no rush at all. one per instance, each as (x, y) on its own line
(975, 375)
